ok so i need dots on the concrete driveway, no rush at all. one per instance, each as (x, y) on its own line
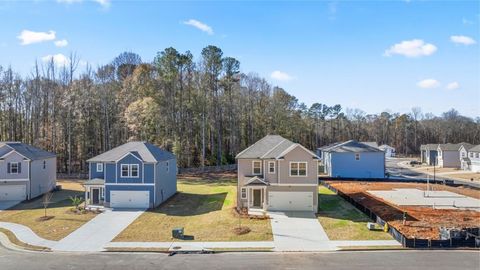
(298, 231)
(99, 231)
(4, 205)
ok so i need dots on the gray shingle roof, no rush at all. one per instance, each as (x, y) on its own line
(94, 181)
(31, 152)
(476, 148)
(143, 150)
(430, 146)
(454, 147)
(372, 144)
(269, 147)
(352, 146)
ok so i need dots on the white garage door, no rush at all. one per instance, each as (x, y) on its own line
(290, 201)
(129, 199)
(13, 193)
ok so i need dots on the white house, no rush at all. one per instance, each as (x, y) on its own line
(353, 159)
(449, 154)
(474, 159)
(389, 151)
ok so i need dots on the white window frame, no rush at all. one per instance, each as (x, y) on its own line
(11, 167)
(131, 170)
(357, 156)
(128, 170)
(274, 169)
(99, 167)
(253, 167)
(298, 168)
(243, 191)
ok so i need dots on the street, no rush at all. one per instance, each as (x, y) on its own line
(408, 259)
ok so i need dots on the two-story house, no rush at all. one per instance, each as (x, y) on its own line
(278, 175)
(133, 175)
(449, 155)
(474, 159)
(26, 171)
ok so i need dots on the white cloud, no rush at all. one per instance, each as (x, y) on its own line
(453, 85)
(428, 83)
(29, 37)
(281, 76)
(61, 43)
(199, 25)
(59, 59)
(103, 3)
(463, 40)
(412, 48)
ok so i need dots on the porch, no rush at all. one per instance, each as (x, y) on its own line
(94, 193)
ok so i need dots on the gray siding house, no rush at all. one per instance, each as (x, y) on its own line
(278, 175)
(474, 158)
(449, 154)
(132, 175)
(26, 171)
(428, 153)
(353, 159)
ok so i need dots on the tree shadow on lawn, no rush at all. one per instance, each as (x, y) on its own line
(190, 204)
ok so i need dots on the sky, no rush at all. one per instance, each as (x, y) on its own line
(372, 55)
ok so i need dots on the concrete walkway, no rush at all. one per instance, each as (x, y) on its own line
(299, 231)
(4, 205)
(99, 231)
(25, 235)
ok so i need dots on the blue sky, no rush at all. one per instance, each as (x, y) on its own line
(371, 55)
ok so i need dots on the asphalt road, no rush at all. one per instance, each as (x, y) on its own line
(412, 259)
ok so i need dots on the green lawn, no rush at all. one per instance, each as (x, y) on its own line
(342, 221)
(63, 222)
(205, 208)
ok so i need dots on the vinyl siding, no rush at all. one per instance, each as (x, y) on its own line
(449, 159)
(129, 159)
(370, 165)
(14, 157)
(93, 171)
(166, 181)
(298, 154)
(42, 180)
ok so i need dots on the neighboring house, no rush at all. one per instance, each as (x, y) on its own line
(465, 161)
(132, 175)
(26, 171)
(353, 159)
(320, 150)
(449, 155)
(474, 156)
(372, 144)
(428, 153)
(389, 151)
(278, 175)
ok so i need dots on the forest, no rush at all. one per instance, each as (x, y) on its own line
(204, 110)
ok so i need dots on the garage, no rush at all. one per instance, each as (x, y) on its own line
(13, 193)
(290, 201)
(129, 199)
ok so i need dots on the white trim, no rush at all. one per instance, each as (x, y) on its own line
(130, 166)
(11, 163)
(268, 167)
(128, 170)
(99, 170)
(129, 153)
(143, 173)
(289, 149)
(129, 184)
(253, 162)
(14, 151)
(298, 169)
(241, 193)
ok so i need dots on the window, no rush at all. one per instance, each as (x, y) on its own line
(357, 156)
(14, 168)
(256, 167)
(463, 154)
(478, 155)
(168, 166)
(102, 193)
(271, 166)
(44, 164)
(134, 170)
(298, 168)
(99, 167)
(244, 193)
(125, 170)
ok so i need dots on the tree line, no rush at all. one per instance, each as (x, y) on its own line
(205, 111)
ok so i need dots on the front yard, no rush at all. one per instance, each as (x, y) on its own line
(204, 206)
(342, 221)
(63, 222)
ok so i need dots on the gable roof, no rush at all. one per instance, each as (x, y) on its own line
(454, 147)
(476, 148)
(270, 147)
(28, 151)
(430, 146)
(352, 146)
(142, 150)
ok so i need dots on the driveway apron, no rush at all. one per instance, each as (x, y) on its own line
(298, 231)
(99, 231)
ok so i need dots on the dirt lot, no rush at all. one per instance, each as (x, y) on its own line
(422, 222)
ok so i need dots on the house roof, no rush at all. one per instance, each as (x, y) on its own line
(476, 148)
(352, 146)
(328, 146)
(94, 181)
(454, 147)
(430, 146)
(270, 147)
(142, 150)
(28, 151)
(385, 146)
(372, 144)
(256, 181)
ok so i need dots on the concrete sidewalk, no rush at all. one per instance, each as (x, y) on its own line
(25, 235)
(99, 231)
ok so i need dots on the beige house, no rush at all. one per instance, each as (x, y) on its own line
(278, 175)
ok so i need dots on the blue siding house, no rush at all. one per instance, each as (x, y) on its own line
(353, 159)
(133, 175)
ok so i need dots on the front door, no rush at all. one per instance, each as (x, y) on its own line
(95, 196)
(257, 198)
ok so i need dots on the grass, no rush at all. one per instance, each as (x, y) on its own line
(14, 240)
(342, 221)
(63, 222)
(205, 208)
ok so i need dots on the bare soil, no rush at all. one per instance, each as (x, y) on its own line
(422, 222)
